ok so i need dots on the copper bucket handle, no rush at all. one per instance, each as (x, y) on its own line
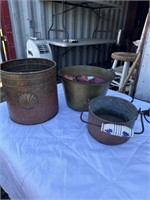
(139, 112)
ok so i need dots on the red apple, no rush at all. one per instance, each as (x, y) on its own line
(82, 78)
(99, 80)
(68, 76)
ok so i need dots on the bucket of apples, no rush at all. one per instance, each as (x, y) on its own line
(82, 83)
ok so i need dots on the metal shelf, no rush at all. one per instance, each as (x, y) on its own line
(80, 42)
(89, 4)
(95, 6)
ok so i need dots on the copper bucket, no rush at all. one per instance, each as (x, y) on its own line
(111, 120)
(30, 89)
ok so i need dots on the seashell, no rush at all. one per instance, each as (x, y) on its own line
(28, 100)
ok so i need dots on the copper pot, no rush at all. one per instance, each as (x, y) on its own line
(111, 119)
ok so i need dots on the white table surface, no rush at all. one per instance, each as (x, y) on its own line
(81, 42)
(59, 159)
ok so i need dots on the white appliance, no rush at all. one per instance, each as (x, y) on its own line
(37, 48)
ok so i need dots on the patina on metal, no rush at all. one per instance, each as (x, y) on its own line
(30, 89)
(110, 109)
(79, 94)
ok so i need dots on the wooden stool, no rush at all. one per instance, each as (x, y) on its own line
(122, 71)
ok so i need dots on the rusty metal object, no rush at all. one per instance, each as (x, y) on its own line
(113, 110)
(30, 88)
(79, 94)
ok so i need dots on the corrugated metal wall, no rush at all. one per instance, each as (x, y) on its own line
(34, 18)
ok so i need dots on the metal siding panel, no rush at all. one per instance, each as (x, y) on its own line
(16, 26)
(87, 29)
(70, 22)
(80, 23)
(37, 12)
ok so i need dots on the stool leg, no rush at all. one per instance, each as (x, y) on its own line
(124, 73)
(114, 64)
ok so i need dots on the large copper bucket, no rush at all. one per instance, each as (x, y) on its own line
(30, 89)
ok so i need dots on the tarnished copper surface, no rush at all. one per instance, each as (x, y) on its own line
(122, 112)
(30, 88)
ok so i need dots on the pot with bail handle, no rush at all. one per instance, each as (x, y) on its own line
(111, 119)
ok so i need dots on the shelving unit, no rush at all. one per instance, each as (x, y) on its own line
(80, 42)
(95, 6)
(88, 3)
(59, 11)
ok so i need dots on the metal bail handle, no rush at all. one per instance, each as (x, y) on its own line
(142, 123)
(116, 129)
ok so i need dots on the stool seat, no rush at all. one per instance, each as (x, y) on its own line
(121, 72)
(124, 56)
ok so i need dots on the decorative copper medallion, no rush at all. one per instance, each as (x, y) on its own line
(28, 100)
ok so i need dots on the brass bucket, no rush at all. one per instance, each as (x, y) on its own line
(79, 94)
(30, 89)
